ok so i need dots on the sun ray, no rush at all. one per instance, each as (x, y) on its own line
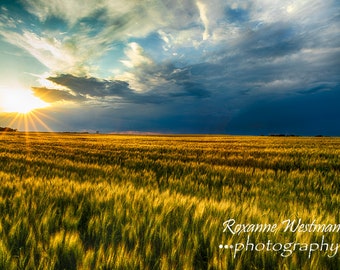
(44, 125)
(27, 138)
(28, 123)
(14, 120)
(30, 117)
(26, 114)
(32, 121)
(39, 114)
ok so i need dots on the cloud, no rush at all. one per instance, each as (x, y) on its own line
(166, 84)
(271, 41)
(55, 95)
(261, 28)
(48, 51)
(76, 35)
(204, 18)
(253, 46)
(93, 87)
(197, 59)
(62, 9)
(135, 56)
(89, 89)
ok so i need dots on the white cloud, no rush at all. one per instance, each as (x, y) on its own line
(49, 51)
(213, 16)
(76, 50)
(71, 11)
(299, 12)
(204, 18)
(135, 55)
(145, 15)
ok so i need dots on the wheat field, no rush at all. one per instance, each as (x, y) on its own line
(83, 201)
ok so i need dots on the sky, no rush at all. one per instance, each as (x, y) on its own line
(170, 66)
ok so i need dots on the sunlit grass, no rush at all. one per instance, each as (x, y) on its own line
(75, 201)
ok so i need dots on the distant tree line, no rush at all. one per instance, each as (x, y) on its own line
(7, 129)
(283, 135)
(292, 135)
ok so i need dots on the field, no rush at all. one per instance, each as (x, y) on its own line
(81, 201)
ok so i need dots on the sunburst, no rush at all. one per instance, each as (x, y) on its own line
(22, 110)
(18, 100)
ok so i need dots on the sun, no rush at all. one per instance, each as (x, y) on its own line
(19, 101)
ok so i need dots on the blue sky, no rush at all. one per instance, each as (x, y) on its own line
(239, 67)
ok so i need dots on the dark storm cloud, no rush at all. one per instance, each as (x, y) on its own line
(192, 89)
(92, 86)
(189, 84)
(97, 88)
(270, 41)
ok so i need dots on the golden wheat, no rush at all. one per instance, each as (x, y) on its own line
(75, 201)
